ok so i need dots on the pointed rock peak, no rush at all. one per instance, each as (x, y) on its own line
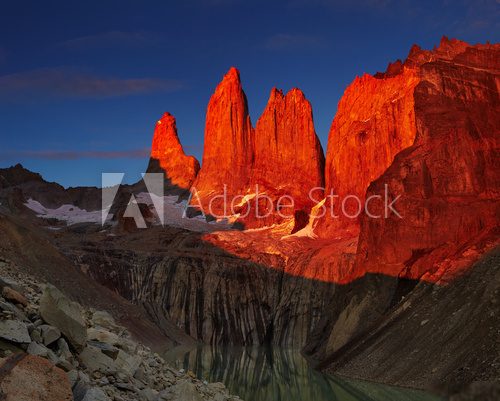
(232, 75)
(275, 94)
(414, 50)
(454, 45)
(444, 41)
(167, 155)
(296, 94)
(166, 119)
(227, 153)
(230, 85)
(165, 138)
(393, 69)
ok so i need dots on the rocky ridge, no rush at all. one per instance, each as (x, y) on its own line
(72, 353)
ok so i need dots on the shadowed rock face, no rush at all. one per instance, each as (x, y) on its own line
(168, 156)
(213, 295)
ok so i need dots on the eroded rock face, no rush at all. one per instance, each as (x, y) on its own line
(167, 155)
(225, 288)
(229, 142)
(449, 180)
(375, 120)
(282, 156)
(425, 131)
(288, 158)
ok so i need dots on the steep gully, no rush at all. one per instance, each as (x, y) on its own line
(426, 130)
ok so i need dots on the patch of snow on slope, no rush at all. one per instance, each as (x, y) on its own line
(308, 231)
(173, 214)
(69, 213)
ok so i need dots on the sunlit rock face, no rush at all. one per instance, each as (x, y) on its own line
(375, 120)
(282, 156)
(429, 132)
(448, 181)
(229, 143)
(428, 129)
(288, 155)
(167, 155)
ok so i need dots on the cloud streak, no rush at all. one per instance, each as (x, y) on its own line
(85, 154)
(287, 41)
(68, 83)
(75, 155)
(111, 39)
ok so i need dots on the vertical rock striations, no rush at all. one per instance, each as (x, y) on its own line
(167, 155)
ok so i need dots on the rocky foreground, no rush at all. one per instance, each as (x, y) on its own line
(53, 349)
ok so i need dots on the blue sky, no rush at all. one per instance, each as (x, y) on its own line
(83, 83)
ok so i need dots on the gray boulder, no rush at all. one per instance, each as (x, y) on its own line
(64, 314)
(95, 394)
(50, 334)
(127, 363)
(95, 360)
(7, 282)
(38, 349)
(185, 391)
(15, 331)
(104, 319)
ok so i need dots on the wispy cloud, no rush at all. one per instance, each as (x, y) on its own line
(74, 155)
(111, 39)
(64, 82)
(287, 41)
(84, 154)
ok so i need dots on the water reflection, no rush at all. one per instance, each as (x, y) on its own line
(274, 374)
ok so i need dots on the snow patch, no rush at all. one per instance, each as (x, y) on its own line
(69, 213)
(308, 231)
(173, 214)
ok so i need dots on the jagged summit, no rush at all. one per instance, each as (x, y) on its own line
(167, 155)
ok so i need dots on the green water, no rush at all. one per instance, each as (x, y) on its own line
(274, 374)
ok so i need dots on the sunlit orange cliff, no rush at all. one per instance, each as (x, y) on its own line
(424, 133)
